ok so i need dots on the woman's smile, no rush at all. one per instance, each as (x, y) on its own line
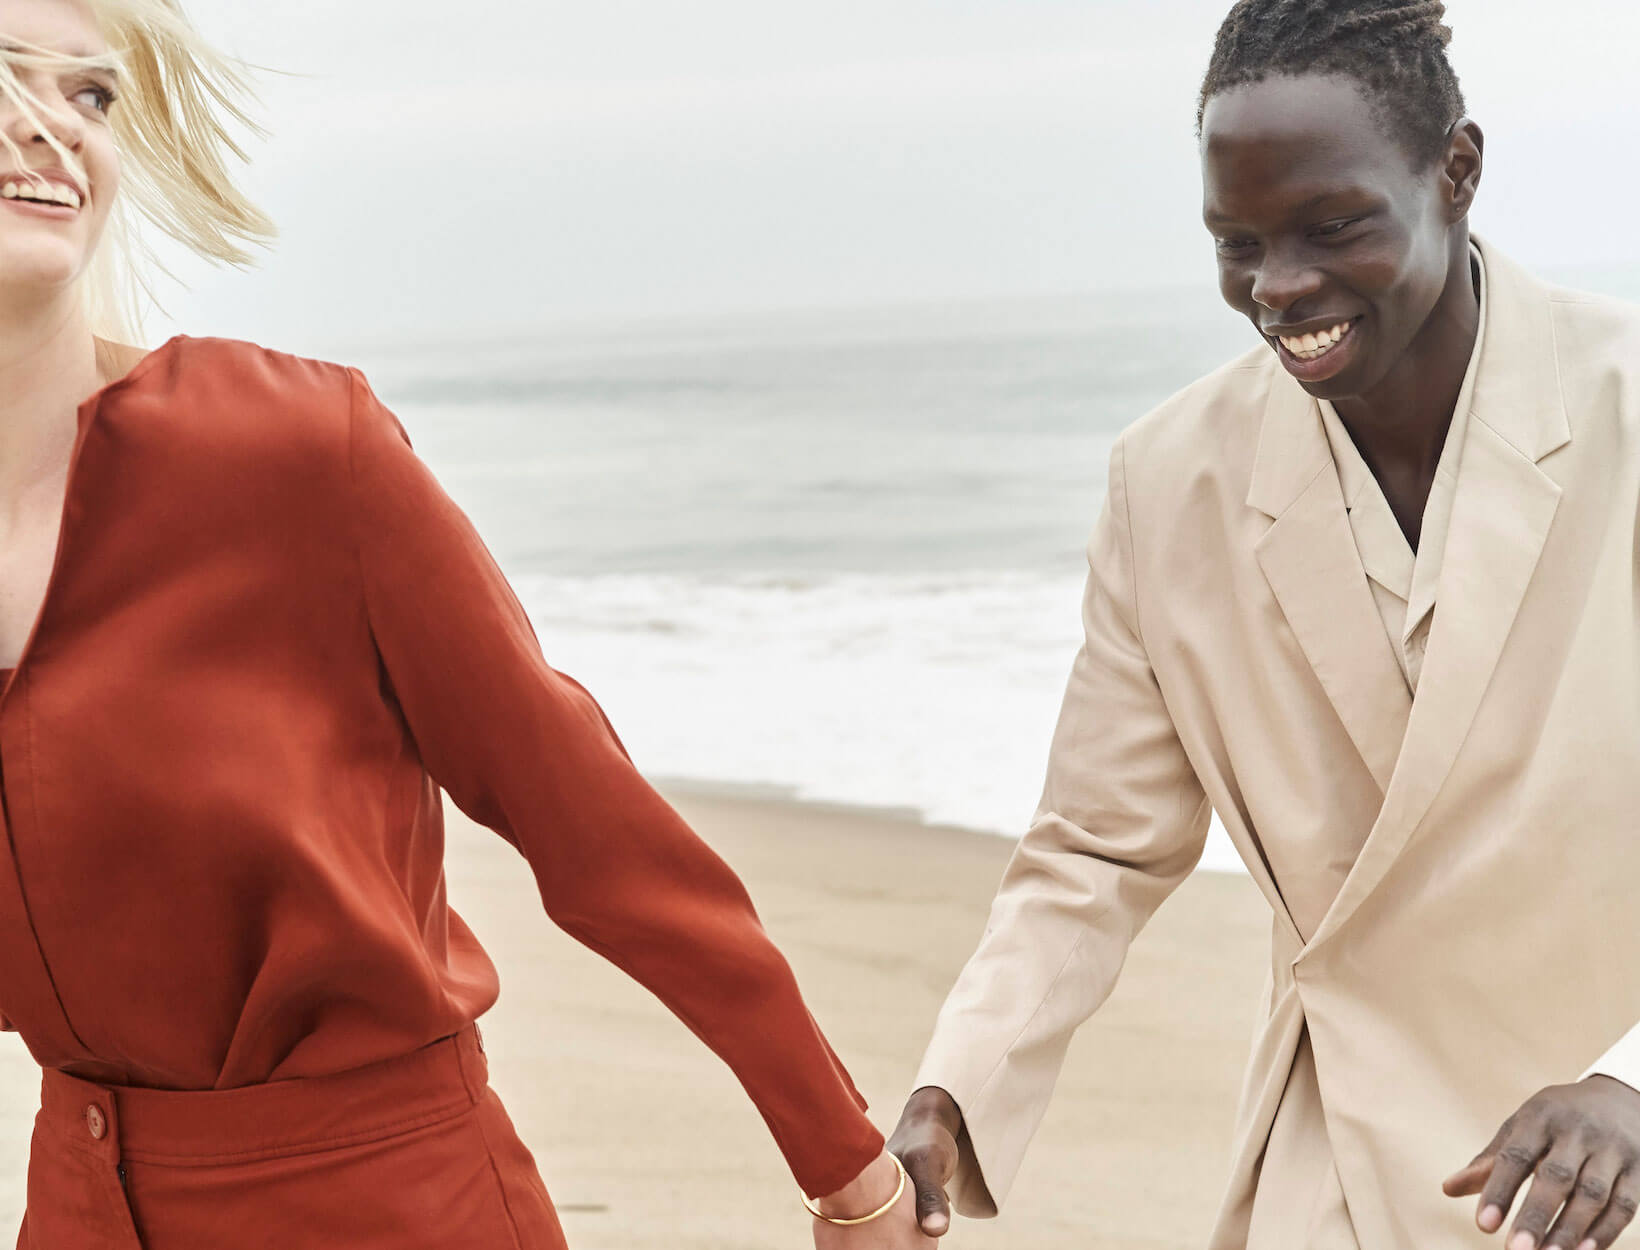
(43, 190)
(53, 209)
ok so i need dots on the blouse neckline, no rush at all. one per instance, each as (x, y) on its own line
(85, 414)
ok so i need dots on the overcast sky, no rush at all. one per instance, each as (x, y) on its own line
(454, 170)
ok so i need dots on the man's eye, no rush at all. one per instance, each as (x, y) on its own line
(1336, 227)
(1233, 247)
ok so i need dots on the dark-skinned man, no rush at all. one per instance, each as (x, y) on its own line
(1370, 593)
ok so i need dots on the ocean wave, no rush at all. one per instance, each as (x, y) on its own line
(935, 694)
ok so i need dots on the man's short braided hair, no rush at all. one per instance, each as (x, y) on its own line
(1396, 51)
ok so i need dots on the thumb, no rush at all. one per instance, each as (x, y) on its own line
(1470, 1179)
(933, 1209)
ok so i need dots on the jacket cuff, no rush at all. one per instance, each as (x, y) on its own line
(1622, 1061)
(969, 1191)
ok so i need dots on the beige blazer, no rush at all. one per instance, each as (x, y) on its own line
(1453, 881)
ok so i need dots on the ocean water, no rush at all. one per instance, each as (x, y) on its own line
(838, 556)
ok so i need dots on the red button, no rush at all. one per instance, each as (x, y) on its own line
(95, 1122)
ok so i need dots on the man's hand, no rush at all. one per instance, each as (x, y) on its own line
(897, 1230)
(926, 1142)
(1580, 1144)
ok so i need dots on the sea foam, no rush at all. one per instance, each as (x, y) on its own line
(932, 695)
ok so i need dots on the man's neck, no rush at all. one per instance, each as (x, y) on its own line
(1400, 428)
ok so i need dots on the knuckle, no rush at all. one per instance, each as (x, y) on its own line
(915, 1155)
(1626, 1205)
(1518, 1156)
(1557, 1172)
(1534, 1219)
(930, 1200)
(1594, 1189)
(928, 1164)
(1606, 1230)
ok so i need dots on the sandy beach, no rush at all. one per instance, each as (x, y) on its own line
(647, 1142)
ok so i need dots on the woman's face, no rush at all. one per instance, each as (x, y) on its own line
(1324, 224)
(46, 246)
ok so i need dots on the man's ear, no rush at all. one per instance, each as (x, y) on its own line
(1461, 166)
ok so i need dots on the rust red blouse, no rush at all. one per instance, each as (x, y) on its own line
(268, 640)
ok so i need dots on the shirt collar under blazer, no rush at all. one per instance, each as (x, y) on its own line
(1501, 516)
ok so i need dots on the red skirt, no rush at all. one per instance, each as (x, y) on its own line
(415, 1153)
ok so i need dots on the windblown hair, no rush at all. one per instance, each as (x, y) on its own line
(178, 101)
(1395, 50)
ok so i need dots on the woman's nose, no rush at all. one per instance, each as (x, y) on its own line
(43, 121)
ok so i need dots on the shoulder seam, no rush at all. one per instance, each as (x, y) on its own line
(354, 380)
(1132, 558)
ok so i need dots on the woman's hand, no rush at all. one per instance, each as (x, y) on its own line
(1580, 1144)
(926, 1142)
(896, 1230)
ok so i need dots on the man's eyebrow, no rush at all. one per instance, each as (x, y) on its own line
(1341, 193)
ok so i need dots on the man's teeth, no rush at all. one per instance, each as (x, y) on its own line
(44, 193)
(1314, 346)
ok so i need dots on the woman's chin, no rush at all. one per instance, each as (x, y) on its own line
(28, 275)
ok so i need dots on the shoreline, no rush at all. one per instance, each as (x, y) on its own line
(686, 790)
(692, 789)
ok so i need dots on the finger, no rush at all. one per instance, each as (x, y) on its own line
(1512, 1163)
(1590, 1196)
(933, 1208)
(905, 1215)
(1458, 1185)
(1471, 1180)
(1625, 1201)
(1552, 1183)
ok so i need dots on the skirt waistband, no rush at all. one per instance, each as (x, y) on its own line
(209, 1127)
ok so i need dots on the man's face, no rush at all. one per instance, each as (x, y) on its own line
(1330, 239)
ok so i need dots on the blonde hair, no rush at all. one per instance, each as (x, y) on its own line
(178, 98)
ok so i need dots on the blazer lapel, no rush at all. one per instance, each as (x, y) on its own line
(1501, 517)
(1310, 560)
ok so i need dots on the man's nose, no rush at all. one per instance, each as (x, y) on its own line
(1281, 282)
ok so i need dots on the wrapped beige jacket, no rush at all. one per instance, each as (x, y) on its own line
(1452, 879)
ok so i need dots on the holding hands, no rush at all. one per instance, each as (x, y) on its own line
(1579, 1145)
(926, 1142)
(910, 1178)
(875, 1211)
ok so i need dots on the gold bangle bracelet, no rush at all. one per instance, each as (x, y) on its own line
(813, 1207)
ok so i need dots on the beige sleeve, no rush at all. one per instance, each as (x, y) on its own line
(1622, 1061)
(1122, 822)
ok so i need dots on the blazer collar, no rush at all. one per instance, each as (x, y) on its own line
(1517, 391)
(1503, 513)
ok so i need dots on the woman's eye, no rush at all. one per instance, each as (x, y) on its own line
(1335, 227)
(100, 98)
(1232, 247)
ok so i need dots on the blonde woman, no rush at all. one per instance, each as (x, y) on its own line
(246, 639)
